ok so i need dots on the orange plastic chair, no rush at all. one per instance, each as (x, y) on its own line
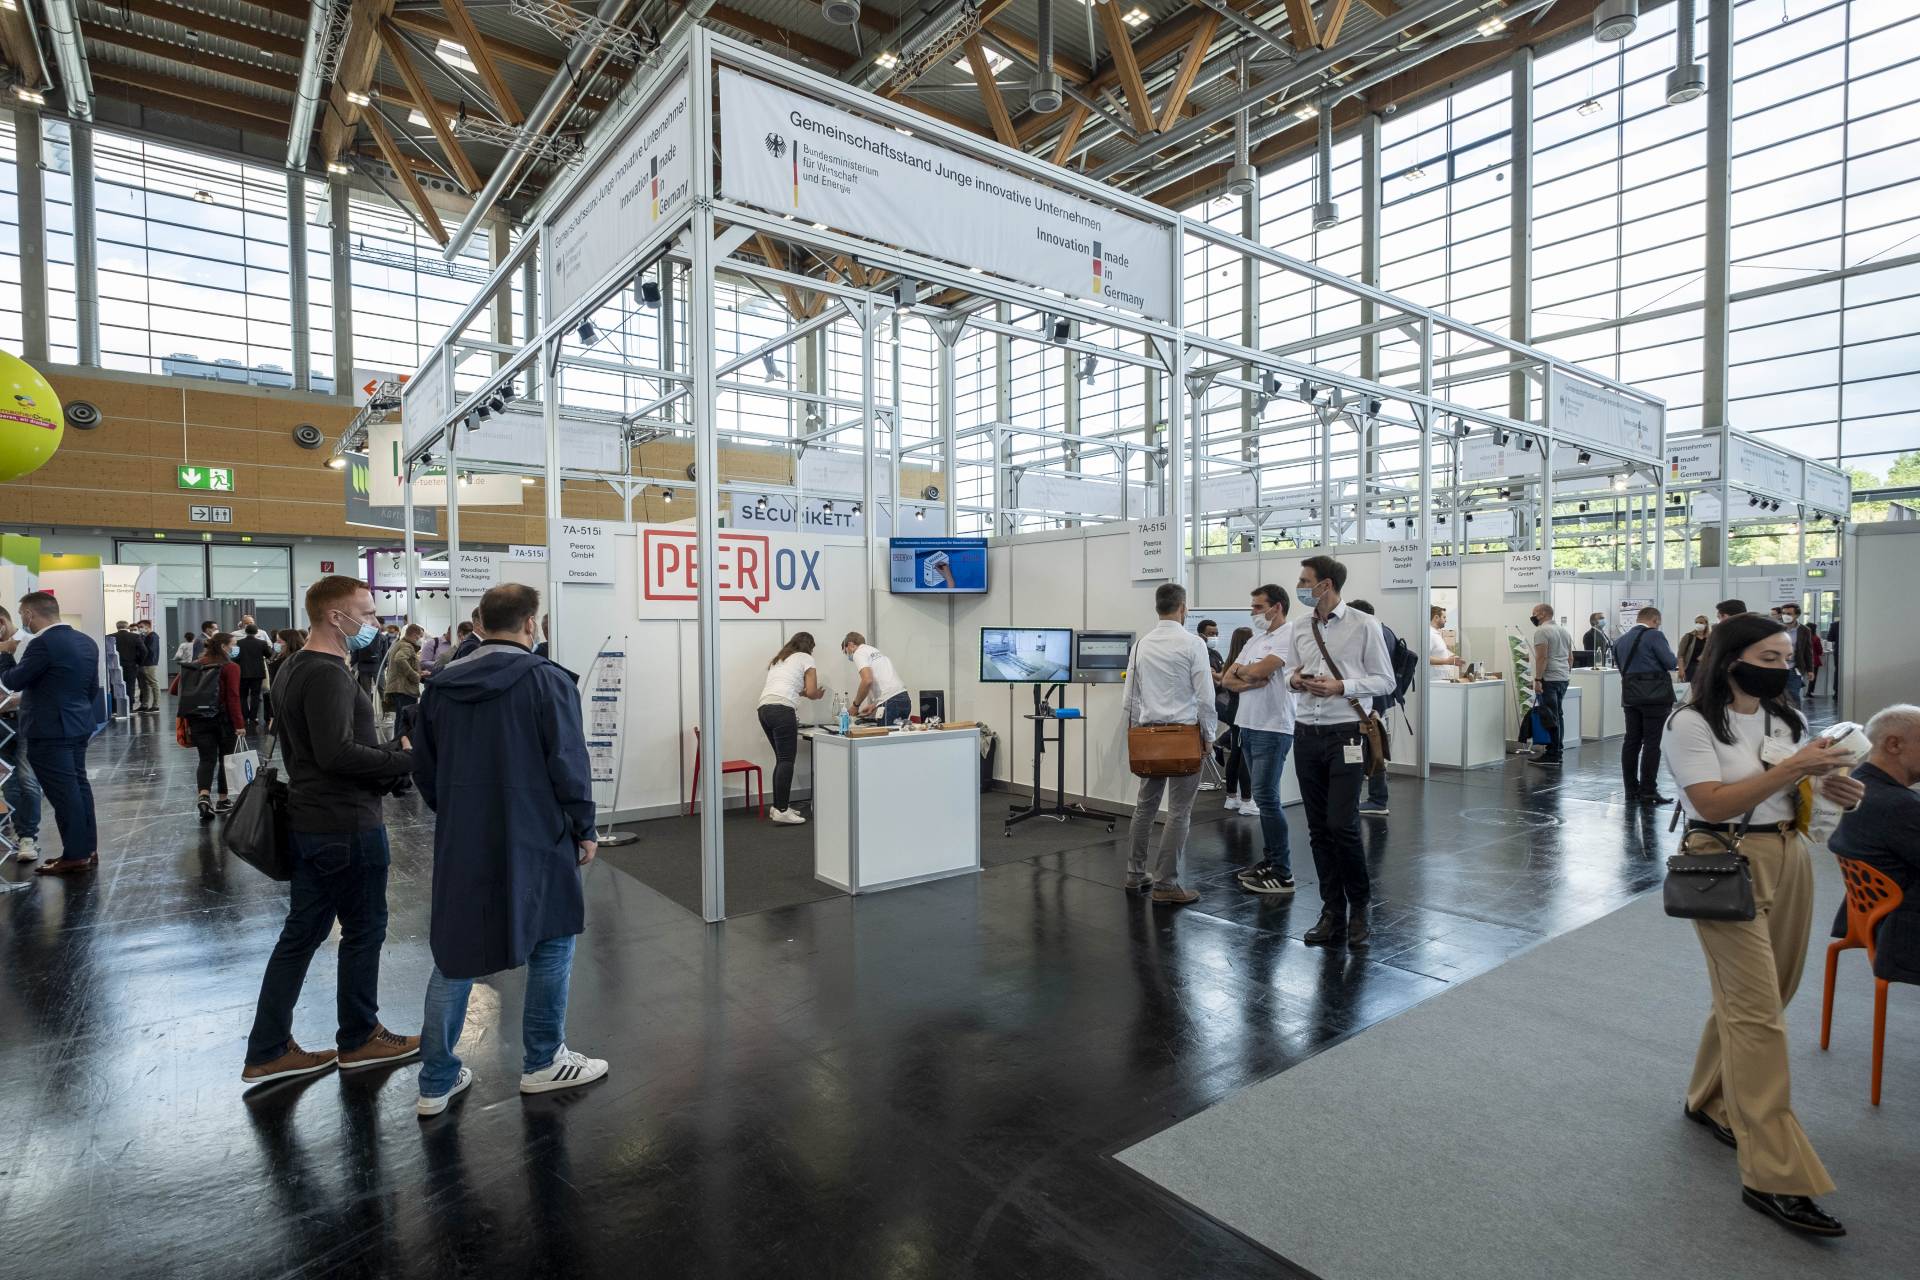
(754, 779)
(1871, 897)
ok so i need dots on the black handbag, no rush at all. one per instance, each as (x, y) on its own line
(256, 831)
(1715, 885)
(1644, 688)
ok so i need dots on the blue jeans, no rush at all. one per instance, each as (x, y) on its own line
(61, 766)
(22, 792)
(335, 876)
(1796, 687)
(543, 1016)
(1552, 702)
(895, 710)
(1266, 757)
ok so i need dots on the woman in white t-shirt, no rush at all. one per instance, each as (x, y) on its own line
(791, 676)
(1736, 751)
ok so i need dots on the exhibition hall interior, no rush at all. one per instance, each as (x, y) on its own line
(937, 638)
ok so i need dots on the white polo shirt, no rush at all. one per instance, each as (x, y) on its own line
(886, 681)
(1270, 707)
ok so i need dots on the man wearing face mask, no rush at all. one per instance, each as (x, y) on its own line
(58, 676)
(337, 773)
(1264, 716)
(1692, 645)
(1552, 673)
(1802, 638)
(1884, 833)
(1596, 640)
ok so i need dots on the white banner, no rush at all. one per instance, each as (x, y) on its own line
(1692, 461)
(475, 572)
(648, 178)
(1753, 465)
(1150, 550)
(582, 549)
(1073, 495)
(1401, 571)
(1482, 459)
(390, 572)
(812, 515)
(1784, 588)
(1603, 417)
(1829, 490)
(762, 575)
(518, 438)
(384, 488)
(1525, 571)
(1705, 507)
(527, 552)
(424, 400)
(1443, 571)
(792, 155)
(1235, 491)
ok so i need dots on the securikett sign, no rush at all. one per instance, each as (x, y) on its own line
(760, 575)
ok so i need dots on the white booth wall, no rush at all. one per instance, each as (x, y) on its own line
(1880, 566)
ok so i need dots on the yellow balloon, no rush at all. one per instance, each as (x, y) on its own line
(31, 419)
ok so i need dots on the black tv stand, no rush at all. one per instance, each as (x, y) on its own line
(1041, 715)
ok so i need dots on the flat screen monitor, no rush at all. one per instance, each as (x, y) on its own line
(1101, 657)
(1025, 655)
(937, 566)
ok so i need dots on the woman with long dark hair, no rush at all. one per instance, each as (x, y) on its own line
(791, 676)
(1239, 780)
(210, 712)
(1735, 749)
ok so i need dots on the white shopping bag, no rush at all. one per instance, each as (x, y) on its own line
(240, 768)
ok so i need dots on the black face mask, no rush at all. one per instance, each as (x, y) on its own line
(1533, 621)
(1759, 682)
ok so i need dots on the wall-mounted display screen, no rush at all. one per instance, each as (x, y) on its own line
(937, 566)
(1025, 655)
(1101, 657)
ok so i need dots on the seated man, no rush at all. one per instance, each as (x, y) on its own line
(1883, 831)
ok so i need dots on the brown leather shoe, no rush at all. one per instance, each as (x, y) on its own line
(294, 1062)
(382, 1048)
(1174, 896)
(67, 866)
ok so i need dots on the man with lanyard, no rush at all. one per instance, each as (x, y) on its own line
(1339, 663)
(1647, 666)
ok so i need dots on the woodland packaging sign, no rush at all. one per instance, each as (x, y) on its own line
(790, 154)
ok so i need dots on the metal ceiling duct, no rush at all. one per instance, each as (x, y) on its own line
(841, 13)
(1615, 19)
(914, 49)
(1687, 80)
(76, 82)
(1325, 212)
(1044, 96)
(1241, 177)
(306, 94)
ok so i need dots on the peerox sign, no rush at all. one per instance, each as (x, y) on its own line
(760, 575)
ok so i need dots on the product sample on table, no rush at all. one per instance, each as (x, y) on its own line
(1023, 655)
(937, 566)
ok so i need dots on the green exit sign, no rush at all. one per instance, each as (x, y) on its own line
(217, 479)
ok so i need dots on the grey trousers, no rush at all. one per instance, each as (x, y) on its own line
(1180, 793)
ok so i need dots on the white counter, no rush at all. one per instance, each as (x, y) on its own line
(1600, 713)
(1469, 722)
(895, 809)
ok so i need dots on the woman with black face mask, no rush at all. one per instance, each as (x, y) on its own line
(1735, 750)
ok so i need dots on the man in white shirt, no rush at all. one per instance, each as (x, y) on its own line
(1265, 720)
(1170, 682)
(1438, 655)
(882, 694)
(1339, 663)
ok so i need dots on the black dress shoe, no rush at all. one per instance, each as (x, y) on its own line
(1654, 798)
(1712, 1126)
(1799, 1213)
(1328, 930)
(1359, 928)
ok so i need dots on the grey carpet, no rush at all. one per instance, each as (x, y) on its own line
(1527, 1123)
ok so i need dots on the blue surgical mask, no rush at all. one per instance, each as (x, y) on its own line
(1305, 595)
(365, 636)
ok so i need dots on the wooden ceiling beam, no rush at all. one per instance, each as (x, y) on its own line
(355, 75)
(990, 92)
(796, 305)
(1332, 21)
(437, 119)
(426, 24)
(1171, 109)
(1301, 28)
(1070, 134)
(16, 40)
(937, 53)
(476, 47)
(390, 151)
(1026, 48)
(261, 38)
(1120, 48)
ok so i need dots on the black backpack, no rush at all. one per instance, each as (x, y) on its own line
(199, 692)
(1405, 663)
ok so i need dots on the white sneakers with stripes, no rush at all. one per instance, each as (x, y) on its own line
(568, 1070)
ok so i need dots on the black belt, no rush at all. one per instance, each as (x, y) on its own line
(1735, 828)
(1344, 726)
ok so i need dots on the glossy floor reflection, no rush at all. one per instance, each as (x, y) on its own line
(923, 1083)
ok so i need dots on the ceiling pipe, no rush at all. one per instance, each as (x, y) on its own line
(306, 94)
(935, 23)
(76, 82)
(1043, 90)
(1241, 178)
(571, 73)
(1687, 80)
(1325, 212)
(1210, 156)
(1300, 72)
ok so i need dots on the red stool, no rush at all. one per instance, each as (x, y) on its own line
(748, 785)
(1871, 897)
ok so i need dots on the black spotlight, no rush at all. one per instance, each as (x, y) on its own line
(1461, 427)
(1583, 506)
(1500, 437)
(497, 403)
(1526, 443)
(1753, 500)
(484, 409)
(649, 293)
(1585, 457)
(1060, 330)
(1373, 408)
(586, 332)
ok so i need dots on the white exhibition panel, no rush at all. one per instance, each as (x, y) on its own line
(791, 154)
(1877, 667)
(1470, 723)
(896, 809)
(1601, 715)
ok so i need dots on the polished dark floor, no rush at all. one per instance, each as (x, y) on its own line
(927, 1082)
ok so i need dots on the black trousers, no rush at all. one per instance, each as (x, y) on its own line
(212, 739)
(782, 726)
(1640, 753)
(1239, 774)
(1330, 789)
(250, 698)
(1551, 702)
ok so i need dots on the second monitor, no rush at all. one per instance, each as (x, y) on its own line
(1026, 655)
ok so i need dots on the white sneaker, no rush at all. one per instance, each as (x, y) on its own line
(568, 1070)
(426, 1106)
(787, 817)
(28, 850)
(1233, 803)
(1249, 810)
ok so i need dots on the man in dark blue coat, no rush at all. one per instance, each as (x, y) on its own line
(500, 756)
(58, 677)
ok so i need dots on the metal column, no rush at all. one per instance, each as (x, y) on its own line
(1520, 223)
(340, 258)
(1423, 605)
(1716, 312)
(870, 522)
(33, 235)
(86, 258)
(1250, 338)
(948, 333)
(299, 311)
